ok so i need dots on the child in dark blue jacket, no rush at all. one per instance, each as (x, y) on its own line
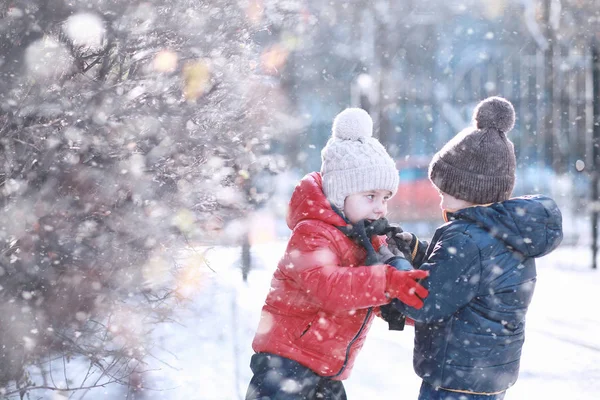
(470, 331)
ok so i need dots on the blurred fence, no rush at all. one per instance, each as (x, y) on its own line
(553, 102)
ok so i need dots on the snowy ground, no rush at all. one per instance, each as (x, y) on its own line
(207, 356)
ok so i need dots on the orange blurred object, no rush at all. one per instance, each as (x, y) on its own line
(196, 75)
(273, 59)
(255, 10)
(417, 199)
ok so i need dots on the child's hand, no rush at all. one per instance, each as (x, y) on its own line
(399, 243)
(403, 286)
(396, 259)
(405, 236)
(386, 253)
(414, 249)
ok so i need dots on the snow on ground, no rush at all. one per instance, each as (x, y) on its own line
(206, 357)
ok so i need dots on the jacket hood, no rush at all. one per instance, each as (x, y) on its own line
(531, 225)
(309, 202)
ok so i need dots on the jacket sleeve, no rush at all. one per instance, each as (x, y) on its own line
(454, 273)
(312, 262)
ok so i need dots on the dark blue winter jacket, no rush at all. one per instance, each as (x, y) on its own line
(470, 331)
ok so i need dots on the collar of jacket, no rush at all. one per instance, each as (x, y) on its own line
(448, 215)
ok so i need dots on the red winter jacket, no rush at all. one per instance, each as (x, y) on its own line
(320, 305)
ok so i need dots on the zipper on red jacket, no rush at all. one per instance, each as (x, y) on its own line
(351, 343)
(305, 330)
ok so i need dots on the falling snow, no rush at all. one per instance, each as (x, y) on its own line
(148, 151)
(86, 30)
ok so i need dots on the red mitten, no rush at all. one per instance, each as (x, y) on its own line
(403, 286)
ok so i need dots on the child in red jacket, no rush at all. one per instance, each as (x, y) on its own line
(335, 273)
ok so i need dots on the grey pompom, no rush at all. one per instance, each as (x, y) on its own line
(495, 112)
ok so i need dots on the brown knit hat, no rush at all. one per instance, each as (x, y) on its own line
(478, 165)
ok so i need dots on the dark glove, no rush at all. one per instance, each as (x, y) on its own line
(404, 285)
(362, 232)
(390, 255)
(390, 314)
(397, 246)
(395, 319)
(395, 260)
(378, 227)
(413, 249)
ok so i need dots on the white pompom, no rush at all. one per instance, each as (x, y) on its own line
(352, 124)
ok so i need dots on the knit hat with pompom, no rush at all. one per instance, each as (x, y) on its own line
(353, 161)
(478, 164)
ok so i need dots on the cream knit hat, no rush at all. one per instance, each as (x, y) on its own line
(353, 161)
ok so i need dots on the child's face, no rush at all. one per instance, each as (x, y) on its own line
(369, 205)
(451, 203)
